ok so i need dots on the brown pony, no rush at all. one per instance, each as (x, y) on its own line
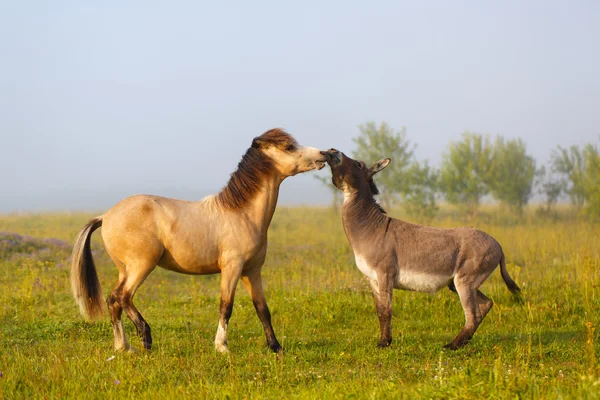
(225, 233)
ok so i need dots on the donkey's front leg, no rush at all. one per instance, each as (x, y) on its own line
(383, 289)
(253, 282)
(230, 275)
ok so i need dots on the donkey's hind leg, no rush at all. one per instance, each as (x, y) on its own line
(475, 304)
(468, 300)
(484, 303)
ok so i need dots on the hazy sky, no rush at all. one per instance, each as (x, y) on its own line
(101, 102)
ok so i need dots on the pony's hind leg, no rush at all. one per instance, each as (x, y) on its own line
(115, 310)
(132, 282)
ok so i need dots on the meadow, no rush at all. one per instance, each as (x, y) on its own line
(546, 346)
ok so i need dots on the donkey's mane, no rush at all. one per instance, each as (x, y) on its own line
(366, 211)
(364, 206)
(371, 199)
(375, 191)
(253, 169)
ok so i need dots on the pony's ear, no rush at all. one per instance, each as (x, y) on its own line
(379, 165)
(256, 143)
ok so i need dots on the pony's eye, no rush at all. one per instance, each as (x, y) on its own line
(290, 147)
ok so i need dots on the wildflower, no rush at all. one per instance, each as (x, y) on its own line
(0, 374)
(110, 358)
(117, 381)
(38, 283)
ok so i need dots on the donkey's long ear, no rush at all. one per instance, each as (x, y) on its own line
(379, 165)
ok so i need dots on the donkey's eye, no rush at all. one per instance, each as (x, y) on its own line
(290, 147)
(359, 164)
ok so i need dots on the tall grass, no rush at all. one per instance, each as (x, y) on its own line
(323, 314)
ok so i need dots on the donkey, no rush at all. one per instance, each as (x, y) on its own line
(224, 233)
(401, 255)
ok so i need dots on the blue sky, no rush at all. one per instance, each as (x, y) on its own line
(98, 102)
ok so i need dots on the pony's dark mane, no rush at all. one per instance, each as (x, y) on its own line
(253, 169)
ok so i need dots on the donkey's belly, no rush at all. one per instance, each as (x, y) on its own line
(420, 281)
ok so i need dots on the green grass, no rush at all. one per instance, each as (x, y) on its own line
(323, 314)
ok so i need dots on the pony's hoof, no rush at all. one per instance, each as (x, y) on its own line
(221, 348)
(126, 349)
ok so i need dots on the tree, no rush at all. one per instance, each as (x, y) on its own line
(336, 200)
(512, 174)
(374, 143)
(549, 187)
(580, 170)
(591, 158)
(570, 164)
(465, 171)
(420, 200)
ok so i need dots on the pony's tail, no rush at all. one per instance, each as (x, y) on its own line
(84, 279)
(512, 286)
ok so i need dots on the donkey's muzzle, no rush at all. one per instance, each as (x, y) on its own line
(335, 157)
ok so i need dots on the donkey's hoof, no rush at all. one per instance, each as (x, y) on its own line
(276, 348)
(452, 346)
(221, 348)
(384, 344)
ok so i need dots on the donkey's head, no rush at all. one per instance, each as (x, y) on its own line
(288, 157)
(352, 176)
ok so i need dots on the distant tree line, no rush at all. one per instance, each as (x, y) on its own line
(474, 167)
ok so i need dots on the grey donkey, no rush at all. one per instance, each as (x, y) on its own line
(397, 254)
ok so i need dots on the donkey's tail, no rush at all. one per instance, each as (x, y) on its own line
(84, 279)
(512, 286)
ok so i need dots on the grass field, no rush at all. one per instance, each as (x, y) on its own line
(323, 314)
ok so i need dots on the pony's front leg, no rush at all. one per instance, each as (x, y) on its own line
(253, 283)
(230, 275)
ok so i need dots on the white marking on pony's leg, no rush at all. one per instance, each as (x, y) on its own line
(121, 343)
(221, 339)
